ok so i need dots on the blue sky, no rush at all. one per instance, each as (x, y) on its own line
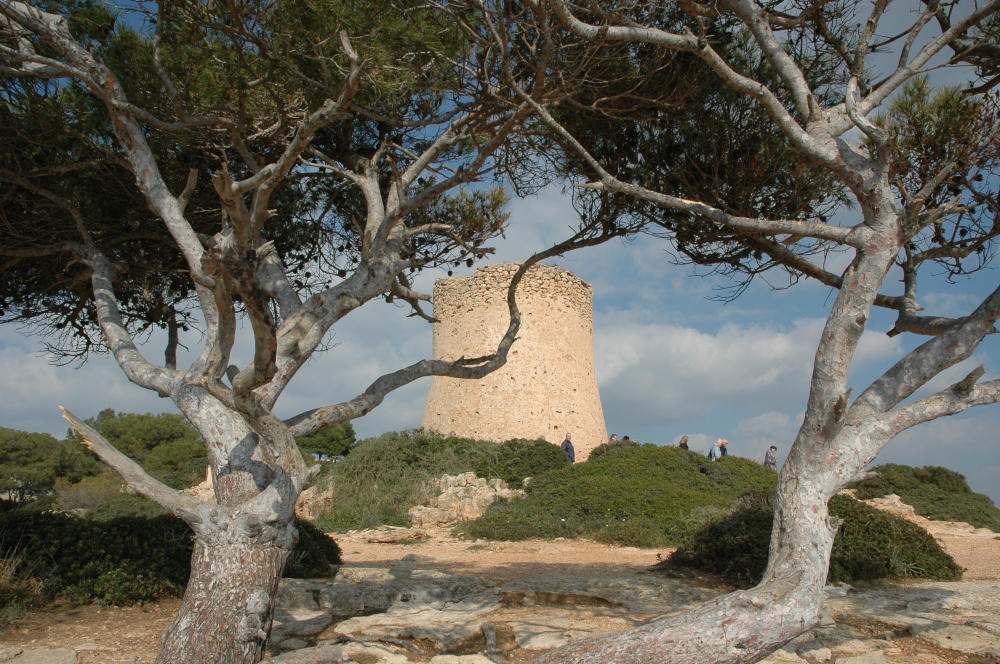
(670, 361)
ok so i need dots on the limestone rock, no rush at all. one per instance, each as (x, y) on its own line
(965, 639)
(462, 498)
(654, 595)
(783, 657)
(312, 501)
(396, 535)
(364, 590)
(560, 627)
(435, 629)
(326, 654)
(19, 655)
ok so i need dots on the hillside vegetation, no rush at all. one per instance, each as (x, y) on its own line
(719, 514)
(637, 495)
(870, 544)
(383, 477)
(934, 492)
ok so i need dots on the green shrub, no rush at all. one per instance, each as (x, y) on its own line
(119, 561)
(934, 492)
(89, 493)
(383, 477)
(870, 544)
(127, 559)
(514, 460)
(126, 506)
(330, 441)
(19, 591)
(629, 494)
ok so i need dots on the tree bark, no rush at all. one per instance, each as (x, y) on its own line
(225, 616)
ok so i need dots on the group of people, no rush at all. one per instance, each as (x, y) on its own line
(716, 452)
(721, 449)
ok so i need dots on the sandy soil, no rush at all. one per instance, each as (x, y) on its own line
(103, 634)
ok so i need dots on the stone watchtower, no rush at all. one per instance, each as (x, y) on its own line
(547, 387)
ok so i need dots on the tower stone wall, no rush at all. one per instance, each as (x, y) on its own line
(547, 387)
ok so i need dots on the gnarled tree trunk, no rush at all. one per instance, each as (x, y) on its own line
(225, 617)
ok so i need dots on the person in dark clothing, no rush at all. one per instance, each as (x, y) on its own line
(683, 444)
(567, 447)
(771, 458)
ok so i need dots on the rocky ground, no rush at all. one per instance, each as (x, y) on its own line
(423, 596)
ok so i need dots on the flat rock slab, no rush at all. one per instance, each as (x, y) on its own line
(362, 590)
(652, 595)
(964, 639)
(325, 654)
(18, 655)
(960, 616)
(454, 627)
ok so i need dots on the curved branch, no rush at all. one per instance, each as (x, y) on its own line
(477, 367)
(771, 103)
(931, 358)
(954, 400)
(137, 368)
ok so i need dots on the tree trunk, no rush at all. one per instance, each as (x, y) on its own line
(225, 617)
(241, 544)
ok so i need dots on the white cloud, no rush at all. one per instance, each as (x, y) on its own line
(666, 372)
(32, 389)
(752, 436)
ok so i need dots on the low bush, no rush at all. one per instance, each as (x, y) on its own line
(19, 591)
(934, 492)
(120, 561)
(519, 458)
(383, 477)
(123, 560)
(629, 494)
(870, 544)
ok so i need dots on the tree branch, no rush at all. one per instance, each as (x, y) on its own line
(931, 358)
(138, 369)
(189, 508)
(957, 398)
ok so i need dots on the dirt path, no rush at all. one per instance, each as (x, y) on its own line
(496, 561)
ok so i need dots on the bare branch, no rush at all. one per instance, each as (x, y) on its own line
(931, 358)
(951, 401)
(180, 504)
(477, 367)
(138, 369)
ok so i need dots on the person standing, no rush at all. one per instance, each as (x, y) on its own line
(724, 448)
(771, 458)
(567, 447)
(715, 452)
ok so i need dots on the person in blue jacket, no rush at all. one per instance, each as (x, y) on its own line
(567, 447)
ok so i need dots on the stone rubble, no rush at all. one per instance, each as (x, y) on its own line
(462, 497)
